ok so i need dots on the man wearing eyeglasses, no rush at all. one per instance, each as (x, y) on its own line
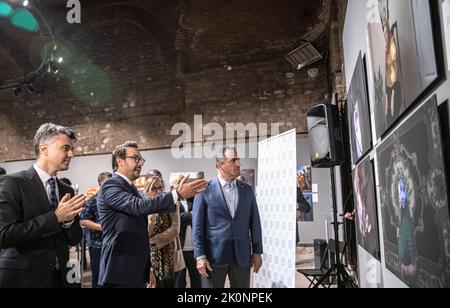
(226, 227)
(123, 211)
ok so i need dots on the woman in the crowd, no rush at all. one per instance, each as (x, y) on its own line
(163, 229)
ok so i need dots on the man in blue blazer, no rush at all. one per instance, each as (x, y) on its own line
(226, 227)
(125, 256)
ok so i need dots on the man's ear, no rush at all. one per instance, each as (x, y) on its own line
(43, 148)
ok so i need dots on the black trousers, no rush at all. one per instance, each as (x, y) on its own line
(191, 267)
(95, 253)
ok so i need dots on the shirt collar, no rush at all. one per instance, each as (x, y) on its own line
(44, 176)
(223, 182)
(124, 177)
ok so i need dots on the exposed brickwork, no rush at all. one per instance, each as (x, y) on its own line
(336, 59)
(221, 59)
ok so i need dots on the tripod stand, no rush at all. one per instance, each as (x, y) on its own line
(343, 279)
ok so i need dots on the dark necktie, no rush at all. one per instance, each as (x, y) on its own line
(53, 197)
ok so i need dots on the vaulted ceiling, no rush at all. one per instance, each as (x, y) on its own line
(188, 35)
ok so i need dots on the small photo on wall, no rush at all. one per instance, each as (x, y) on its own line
(358, 112)
(414, 201)
(366, 208)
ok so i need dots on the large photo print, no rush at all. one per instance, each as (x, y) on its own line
(358, 113)
(414, 201)
(366, 208)
(403, 57)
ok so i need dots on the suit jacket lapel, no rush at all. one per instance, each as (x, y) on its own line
(38, 189)
(240, 188)
(62, 190)
(222, 200)
(128, 186)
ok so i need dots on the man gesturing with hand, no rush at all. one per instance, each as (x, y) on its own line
(39, 216)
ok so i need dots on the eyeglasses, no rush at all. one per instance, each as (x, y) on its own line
(137, 159)
(159, 188)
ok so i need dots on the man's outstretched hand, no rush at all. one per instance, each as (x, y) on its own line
(188, 190)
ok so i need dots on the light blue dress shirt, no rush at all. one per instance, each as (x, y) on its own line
(231, 194)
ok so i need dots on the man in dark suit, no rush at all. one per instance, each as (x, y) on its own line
(125, 257)
(188, 248)
(39, 217)
(226, 227)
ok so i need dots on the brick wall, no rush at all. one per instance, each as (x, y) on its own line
(122, 79)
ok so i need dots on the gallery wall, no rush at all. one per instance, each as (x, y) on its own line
(374, 272)
(316, 229)
(84, 170)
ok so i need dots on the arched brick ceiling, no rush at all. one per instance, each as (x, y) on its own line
(16, 43)
(96, 16)
(235, 31)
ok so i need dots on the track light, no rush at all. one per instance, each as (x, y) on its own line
(52, 68)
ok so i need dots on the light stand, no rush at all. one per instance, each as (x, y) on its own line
(343, 279)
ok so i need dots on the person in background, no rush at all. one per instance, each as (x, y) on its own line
(187, 245)
(90, 220)
(163, 229)
(303, 206)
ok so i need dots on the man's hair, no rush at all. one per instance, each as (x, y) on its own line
(2, 171)
(154, 172)
(220, 158)
(102, 177)
(49, 130)
(121, 152)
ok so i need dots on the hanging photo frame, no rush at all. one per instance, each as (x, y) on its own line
(446, 23)
(414, 200)
(405, 57)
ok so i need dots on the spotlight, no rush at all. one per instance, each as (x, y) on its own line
(52, 68)
(25, 3)
(17, 90)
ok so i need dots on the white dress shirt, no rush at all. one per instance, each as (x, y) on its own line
(188, 245)
(45, 177)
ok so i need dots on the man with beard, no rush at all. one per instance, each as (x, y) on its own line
(226, 227)
(39, 217)
(123, 211)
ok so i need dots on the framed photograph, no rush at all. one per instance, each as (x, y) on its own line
(304, 181)
(358, 113)
(404, 61)
(366, 218)
(446, 23)
(414, 201)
